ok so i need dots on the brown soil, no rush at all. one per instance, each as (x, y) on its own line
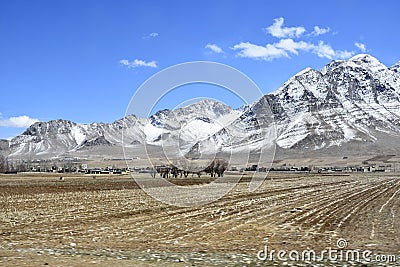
(109, 220)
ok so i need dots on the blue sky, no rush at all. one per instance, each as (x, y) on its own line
(83, 60)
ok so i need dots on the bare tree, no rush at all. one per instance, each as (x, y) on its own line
(22, 167)
(4, 166)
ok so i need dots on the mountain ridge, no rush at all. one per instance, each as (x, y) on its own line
(347, 101)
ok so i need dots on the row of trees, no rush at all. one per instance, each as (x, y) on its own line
(25, 166)
(4, 165)
(7, 166)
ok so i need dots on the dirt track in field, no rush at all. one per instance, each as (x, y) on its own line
(109, 220)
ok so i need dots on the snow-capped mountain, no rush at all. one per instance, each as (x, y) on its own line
(348, 100)
(56, 137)
(354, 101)
(184, 127)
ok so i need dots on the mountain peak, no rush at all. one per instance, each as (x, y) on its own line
(205, 106)
(364, 61)
(368, 61)
(52, 126)
(308, 69)
(362, 57)
(396, 67)
(207, 103)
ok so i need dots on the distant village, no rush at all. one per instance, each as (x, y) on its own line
(75, 165)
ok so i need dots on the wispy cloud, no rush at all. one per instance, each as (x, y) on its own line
(214, 48)
(319, 31)
(361, 46)
(293, 47)
(138, 63)
(17, 122)
(277, 29)
(268, 52)
(150, 35)
(326, 51)
(287, 47)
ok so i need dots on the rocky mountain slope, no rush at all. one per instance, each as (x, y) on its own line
(346, 101)
(354, 102)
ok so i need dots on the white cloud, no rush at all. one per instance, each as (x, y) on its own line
(326, 51)
(17, 122)
(319, 31)
(268, 52)
(277, 29)
(293, 46)
(138, 63)
(150, 35)
(286, 47)
(344, 54)
(361, 46)
(215, 48)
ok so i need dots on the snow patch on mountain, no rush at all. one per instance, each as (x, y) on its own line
(152, 132)
(77, 134)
